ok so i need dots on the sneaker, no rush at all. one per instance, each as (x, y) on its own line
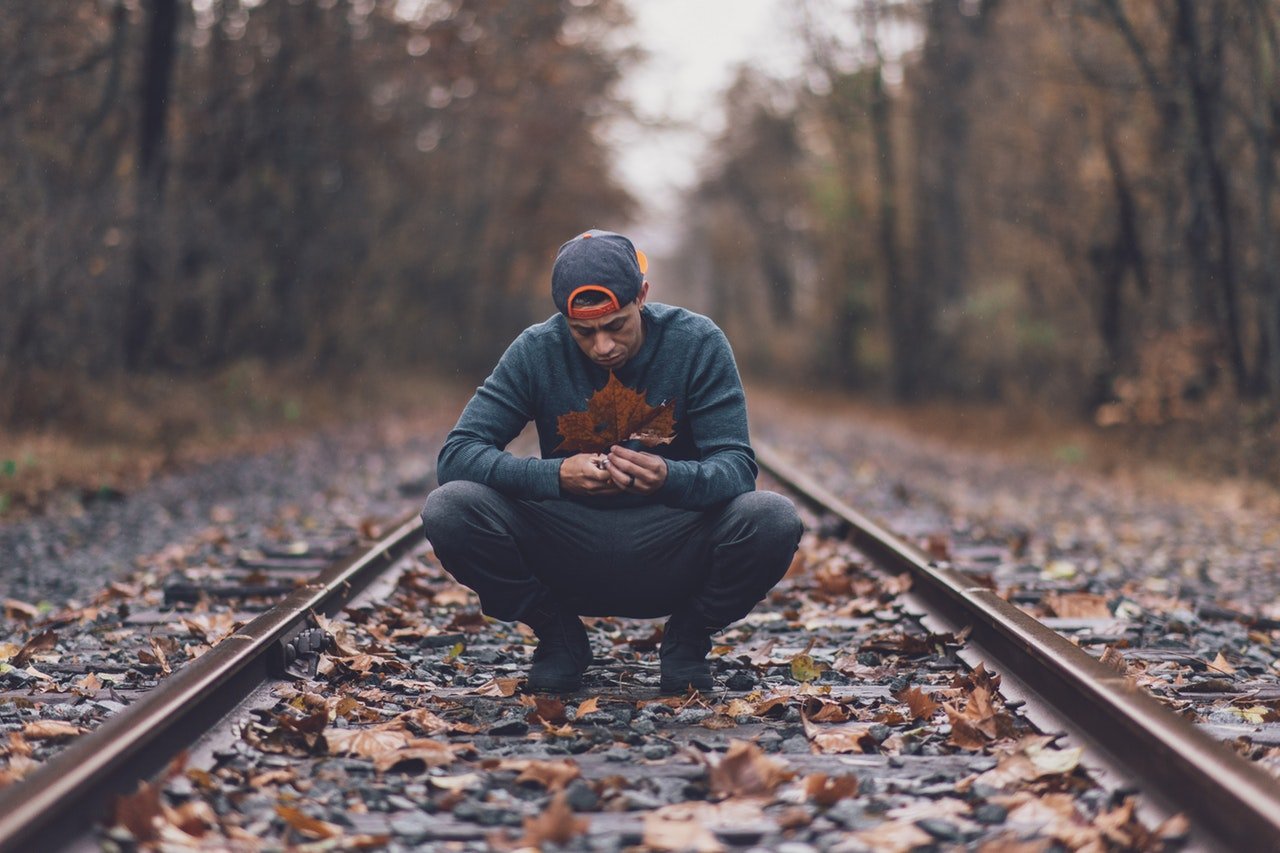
(562, 656)
(686, 641)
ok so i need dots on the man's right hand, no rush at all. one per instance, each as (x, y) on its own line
(587, 474)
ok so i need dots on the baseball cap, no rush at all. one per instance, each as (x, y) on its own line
(600, 261)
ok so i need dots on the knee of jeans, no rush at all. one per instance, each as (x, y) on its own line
(771, 516)
(449, 507)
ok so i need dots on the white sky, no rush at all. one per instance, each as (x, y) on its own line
(694, 48)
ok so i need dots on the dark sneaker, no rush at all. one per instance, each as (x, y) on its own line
(563, 654)
(685, 644)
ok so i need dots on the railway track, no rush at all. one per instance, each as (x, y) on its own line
(863, 721)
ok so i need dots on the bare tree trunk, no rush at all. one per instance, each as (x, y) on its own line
(157, 72)
(1212, 216)
(903, 331)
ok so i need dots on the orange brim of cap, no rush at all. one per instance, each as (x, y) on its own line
(591, 312)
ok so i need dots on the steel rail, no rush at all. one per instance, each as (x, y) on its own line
(66, 794)
(1234, 802)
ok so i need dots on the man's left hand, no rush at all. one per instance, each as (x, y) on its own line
(637, 472)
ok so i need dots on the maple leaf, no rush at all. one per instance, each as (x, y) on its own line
(615, 414)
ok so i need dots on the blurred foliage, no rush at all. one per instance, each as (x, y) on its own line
(1069, 201)
(333, 183)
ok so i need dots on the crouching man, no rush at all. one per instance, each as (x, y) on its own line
(664, 522)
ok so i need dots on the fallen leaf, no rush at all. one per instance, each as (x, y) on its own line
(41, 642)
(894, 836)
(138, 812)
(828, 790)
(365, 742)
(1077, 605)
(615, 414)
(587, 706)
(1221, 664)
(544, 708)
(20, 611)
(745, 771)
(416, 757)
(557, 824)
(922, 705)
(306, 825)
(50, 730)
(679, 827)
(552, 775)
(805, 668)
(498, 687)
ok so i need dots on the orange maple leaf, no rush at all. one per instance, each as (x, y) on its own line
(615, 414)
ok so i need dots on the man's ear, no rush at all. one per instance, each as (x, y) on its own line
(644, 291)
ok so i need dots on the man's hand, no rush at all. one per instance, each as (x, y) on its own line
(587, 474)
(636, 472)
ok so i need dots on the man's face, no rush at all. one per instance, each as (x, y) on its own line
(614, 339)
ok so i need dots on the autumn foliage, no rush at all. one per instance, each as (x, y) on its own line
(615, 414)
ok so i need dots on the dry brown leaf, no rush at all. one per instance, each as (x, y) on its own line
(679, 827)
(41, 642)
(50, 730)
(1222, 665)
(894, 836)
(557, 823)
(921, 704)
(137, 812)
(838, 739)
(615, 414)
(306, 825)
(828, 790)
(365, 742)
(20, 611)
(195, 818)
(424, 722)
(1077, 605)
(552, 775)
(745, 771)
(587, 706)
(498, 687)
(545, 709)
(420, 754)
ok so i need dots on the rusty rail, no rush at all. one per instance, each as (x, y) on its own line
(63, 798)
(1228, 798)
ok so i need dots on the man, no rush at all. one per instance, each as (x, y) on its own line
(673, 529)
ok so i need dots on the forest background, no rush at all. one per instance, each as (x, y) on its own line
(1061, 210)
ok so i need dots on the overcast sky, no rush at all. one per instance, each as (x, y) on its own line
(694, 48)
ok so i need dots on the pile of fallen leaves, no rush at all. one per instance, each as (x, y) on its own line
(417, 724)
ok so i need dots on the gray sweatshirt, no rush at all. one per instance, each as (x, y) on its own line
(685, 358)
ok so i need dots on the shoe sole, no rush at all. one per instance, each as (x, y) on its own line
(554, 685)
(683, 686)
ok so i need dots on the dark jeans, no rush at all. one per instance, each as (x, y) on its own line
(642, 562)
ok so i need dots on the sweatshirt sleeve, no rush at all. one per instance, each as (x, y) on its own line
(716, 414)
(499, 410)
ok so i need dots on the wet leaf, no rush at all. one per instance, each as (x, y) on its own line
(615, 414)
